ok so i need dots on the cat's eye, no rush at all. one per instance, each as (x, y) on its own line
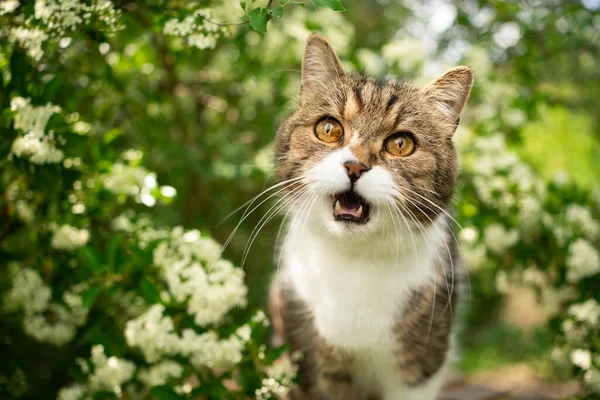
(329, 130)
(400, 144)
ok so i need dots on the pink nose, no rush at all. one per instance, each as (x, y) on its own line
(355, 170)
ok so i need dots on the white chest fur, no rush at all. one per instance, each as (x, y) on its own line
(357, 294)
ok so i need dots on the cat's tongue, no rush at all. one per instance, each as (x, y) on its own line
(348, 205)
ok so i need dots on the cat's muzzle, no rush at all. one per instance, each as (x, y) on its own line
(350, 207)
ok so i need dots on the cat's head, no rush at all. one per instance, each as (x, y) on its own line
(364, 155)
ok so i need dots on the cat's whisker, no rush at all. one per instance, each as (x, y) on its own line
(450, 228)
(312, 201)
(252, 200)
(303, 200)
(440, 209)
(282, 247)
(411, 233)
(269, 215)
(397, 235)
(450, 289)
(431, 246)
(244, 217)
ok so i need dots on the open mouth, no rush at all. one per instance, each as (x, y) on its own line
(350, 207)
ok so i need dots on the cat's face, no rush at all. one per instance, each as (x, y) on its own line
(367, 156)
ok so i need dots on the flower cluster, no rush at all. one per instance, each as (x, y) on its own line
(195, 29)
(130, 179)
(62, 16)
(67, 237)
(36, 145)
(108, 374)
(280, 379)
(53, 19)
(30, 295)
(189, 264)
(580, 348)
(583, 260)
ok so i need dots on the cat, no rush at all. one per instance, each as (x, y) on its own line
(370, 273)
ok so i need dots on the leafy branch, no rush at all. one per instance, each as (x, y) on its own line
(259, 17)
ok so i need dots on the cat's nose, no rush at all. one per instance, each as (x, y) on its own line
(355, 169)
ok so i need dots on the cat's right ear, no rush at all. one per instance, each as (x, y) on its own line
(320, 63)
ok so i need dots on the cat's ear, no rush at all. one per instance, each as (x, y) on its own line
(450, 91)
(320, 63)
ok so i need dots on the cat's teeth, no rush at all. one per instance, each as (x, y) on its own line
(338, 206)
(359, 212)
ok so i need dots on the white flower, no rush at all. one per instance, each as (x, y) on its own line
(207, 350)
(28, 293)
(193, 273)
(72, 392)
(24, 211)
(35, 143)
(31, 295)
(588, 312)
(129, 180)
(8, 6)
(497, 238)
(62, 16)
(38, 151)
(581, 358)
(261, 318)
(59, 332)
(158, 374)
(530, 213)
(203, 41)
(31, 40)
(279, 381)
(109, 373)
(591, 378)
(184, 27)
(583, 260)
(122, 223)
(153, 333)
(68, 237)
(202, 36)
(580, 217)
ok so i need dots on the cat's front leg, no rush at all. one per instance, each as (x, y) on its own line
(334, 373)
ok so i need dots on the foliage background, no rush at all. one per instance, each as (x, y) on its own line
(198, 104)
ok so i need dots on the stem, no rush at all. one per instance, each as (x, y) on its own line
(223, 23)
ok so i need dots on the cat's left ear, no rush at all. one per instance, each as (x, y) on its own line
(451, 91)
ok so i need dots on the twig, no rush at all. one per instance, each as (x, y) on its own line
(223, 23)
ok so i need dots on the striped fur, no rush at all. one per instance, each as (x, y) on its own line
(370, 307)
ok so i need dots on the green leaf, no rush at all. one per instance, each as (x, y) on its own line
(243, 4)
(216, 390)
(90, 294)
(113, 251)
(165, 393)
(258, 19)
(335, 5)
(149, 291)
(245, 18)
(91, 258)
(276, 12)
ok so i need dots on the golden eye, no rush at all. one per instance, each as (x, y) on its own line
(400, 144)
(329, 130)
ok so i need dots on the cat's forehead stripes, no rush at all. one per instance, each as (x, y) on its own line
(379, 102)
(354, 104)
